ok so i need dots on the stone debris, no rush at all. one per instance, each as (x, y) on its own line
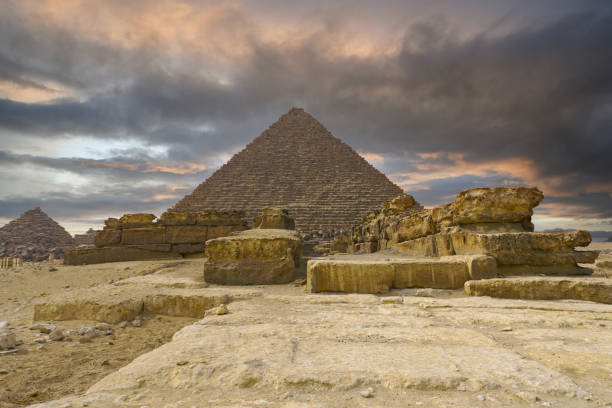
(57, 335)
(253, 257)
(7, 339)
(33, 237)
(298, 165)
(274, 218)
(137, 237)
(369, 393)
(588, 288)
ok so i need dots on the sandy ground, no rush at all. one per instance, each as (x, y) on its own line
(38, 372)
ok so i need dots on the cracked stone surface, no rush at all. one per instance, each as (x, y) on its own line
(290, 349)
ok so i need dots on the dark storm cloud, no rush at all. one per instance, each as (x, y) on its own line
(539, 93)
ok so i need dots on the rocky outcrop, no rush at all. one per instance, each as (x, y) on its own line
(33, 237)
(483, 210)
(136, 237)
(274, 218)
(488, 221)
(539, 288)
(496, 206)
(520, 253)
(253, 257)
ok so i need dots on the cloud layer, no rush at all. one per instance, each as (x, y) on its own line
(126, 106)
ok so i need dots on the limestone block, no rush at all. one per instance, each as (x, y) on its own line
(442, 216)
(112, 223)
(461, 242)
(188, 248)
(506, 205)
(107, 238)
(532, 288)
(152, 247)
(186, 234)
(402, 202)
(541, 258)
(136, 236)
(552, 270)
(235, 218)
(218, 231)
(415, 226)
(178, 218)
(478, 266)
(349, 276)
(494, 227)
(136, 220)
(99, 309)
(86, 256)
(259, 271)
(128, 253)
(274, 218)
(438, 274)
(182, 304)
(252, 257)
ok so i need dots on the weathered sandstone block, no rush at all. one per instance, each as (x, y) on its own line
(590, 289)
(138, 236)
(217, 231)
(375, 275)
(112, 223)
(505, 205)
(86, 256)
(415, 226)
(136, 220)
(186, 234)
(349, 276)
(178, 218)
(252, 257)
(509, 249)
(188, 248)
(274, 218)
(106, 310)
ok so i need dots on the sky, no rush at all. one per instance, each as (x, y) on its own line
(114, 107)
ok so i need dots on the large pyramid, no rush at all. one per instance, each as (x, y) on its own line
(32, 236)
(299, 165)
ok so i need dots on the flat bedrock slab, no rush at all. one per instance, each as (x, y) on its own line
(376, 276)
(86, 256)
(117, 303)
(253, 257)
(542, 288)
(324, 349)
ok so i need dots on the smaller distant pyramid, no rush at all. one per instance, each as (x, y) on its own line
(33, 236)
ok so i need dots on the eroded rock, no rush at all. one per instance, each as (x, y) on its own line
(253, 257)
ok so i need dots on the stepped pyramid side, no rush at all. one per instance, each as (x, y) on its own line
(299, 165)
(32, 236)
